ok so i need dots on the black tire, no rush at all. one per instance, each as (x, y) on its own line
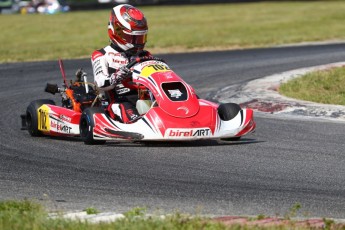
(227, 112)
(32, 116)
(86, 125)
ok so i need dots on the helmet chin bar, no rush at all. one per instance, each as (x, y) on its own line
(129, 52)
(122, 47)
(134, 51)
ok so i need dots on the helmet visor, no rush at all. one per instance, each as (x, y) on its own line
(135, 39)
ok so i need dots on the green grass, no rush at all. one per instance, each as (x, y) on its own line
(174, 29)
(327, 87)
(29, 215)
(91, 211)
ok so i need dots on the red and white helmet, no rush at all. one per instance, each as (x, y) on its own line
(127, 28)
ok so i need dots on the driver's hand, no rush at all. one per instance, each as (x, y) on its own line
(120, 75)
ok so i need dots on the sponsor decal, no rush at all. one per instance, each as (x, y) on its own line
(65, 118)
(117, 58)
(183, 108)
(99, 68)
(176, 93)
(122, 91)
(169, 75)
(140, 32)
(131, 114)
(62, 128)
(122, 62)
(115, 54)
(181, 133)
(144, 64)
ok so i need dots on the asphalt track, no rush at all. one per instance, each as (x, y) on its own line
(287, 161)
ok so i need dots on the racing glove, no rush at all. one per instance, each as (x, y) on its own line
(120, 75)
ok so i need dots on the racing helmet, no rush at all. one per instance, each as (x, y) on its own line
(127, 28)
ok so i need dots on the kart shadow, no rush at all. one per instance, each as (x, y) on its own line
(166, 144)
(197, 143)
(68, 139)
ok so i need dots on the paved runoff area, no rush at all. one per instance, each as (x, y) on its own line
(262, 96)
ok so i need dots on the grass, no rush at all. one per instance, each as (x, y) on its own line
(174, 29)
(22, 215)
(327, 87)
(91, 211)
(28, 215)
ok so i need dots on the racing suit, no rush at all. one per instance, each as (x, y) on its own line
(122, 95)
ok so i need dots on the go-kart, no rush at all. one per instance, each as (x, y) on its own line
(169, 109)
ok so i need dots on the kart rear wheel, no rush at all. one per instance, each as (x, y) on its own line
(32, 116)
(86, 126)
(227, 112)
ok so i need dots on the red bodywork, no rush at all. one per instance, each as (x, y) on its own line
(176, 113)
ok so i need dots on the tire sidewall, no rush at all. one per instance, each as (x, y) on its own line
(87, 124)
(228, 111)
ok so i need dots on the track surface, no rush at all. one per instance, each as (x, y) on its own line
(287, 161)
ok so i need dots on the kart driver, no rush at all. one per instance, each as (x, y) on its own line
(127, 30)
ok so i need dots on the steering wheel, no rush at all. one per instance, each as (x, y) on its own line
(142, 59)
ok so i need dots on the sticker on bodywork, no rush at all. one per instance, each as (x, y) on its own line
(188, 133)
(154, 68)
(43, 118)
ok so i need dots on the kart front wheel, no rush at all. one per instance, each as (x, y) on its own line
(32, 116)
(227, 112)
(87, 124)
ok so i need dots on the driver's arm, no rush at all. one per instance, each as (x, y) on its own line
(100, 68)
